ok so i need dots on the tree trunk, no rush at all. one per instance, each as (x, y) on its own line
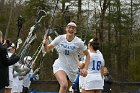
(79, 17)
(109, 41)
(102, 16)
(1, 6)
(9, 20)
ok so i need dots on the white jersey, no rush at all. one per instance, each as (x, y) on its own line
(94, 79)
(96, 61)
(101, 55)
(68, 53)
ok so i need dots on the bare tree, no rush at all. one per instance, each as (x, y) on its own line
(1, 5)
(103, 5)
(9, 20)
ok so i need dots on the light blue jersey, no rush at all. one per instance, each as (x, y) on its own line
(68, 52)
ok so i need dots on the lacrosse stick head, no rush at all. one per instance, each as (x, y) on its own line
(20, 20)
(41, 13)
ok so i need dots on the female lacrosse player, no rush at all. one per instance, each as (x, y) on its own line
(93, 82)
(68, 45)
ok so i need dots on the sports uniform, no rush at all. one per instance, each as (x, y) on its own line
(94, 79)
(26, 80)
(68, 53)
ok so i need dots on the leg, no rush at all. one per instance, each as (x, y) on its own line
(62, 79)
(92, 91)
(25, 90)
(83, 91)
(89, 91)
(8, 90)
(98, 91)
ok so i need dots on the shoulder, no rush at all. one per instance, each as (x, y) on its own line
(99, 52)
(94, 55)
(57, 40)
(77, 39)
(60, 36)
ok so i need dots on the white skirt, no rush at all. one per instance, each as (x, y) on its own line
(93, 81)
(57, 66)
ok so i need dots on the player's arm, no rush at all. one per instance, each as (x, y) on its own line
(87, 60)
(50, 44)
(47, 46)
(83, 71)
(102, 71)
(102, 67)
(81, 65)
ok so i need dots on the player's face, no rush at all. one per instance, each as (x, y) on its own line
(28, 61)
(12, 50)
(71, 30)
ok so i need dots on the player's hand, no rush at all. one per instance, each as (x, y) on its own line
(45, 41)
(83, 72)
(81, 65)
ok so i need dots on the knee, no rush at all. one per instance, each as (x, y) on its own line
(64, 85)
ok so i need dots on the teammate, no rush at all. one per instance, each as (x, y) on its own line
(21, 72)
(93, 82)
(68, 46)
(27, 77)
(81, 64)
